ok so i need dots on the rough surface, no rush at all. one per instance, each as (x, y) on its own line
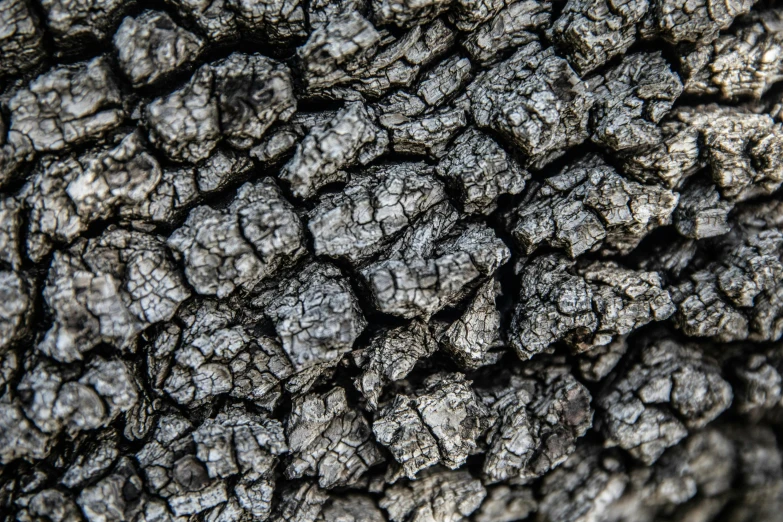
(518, 23)
(21, 38)
(730, 301)
(590, 41)
(315, 314)
(391, 261)
(433, 264)
(481, 171)
(586, 487)
(372, 209)
(329, 439)
(152, 46)
(535, 101)
(446, 496)
(350, 137)
(390, 356)
(67, 106)
(742, 63)
(631, 99)
(541, 409)
(65, 195)
(241, 245)
(585, 307)
(589, 206)
(237, 98)
(212, 351)
(448, 417)
(651, 405)
(472, 337)
(77, 24)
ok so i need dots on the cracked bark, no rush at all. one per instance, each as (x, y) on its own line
(348, 260)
